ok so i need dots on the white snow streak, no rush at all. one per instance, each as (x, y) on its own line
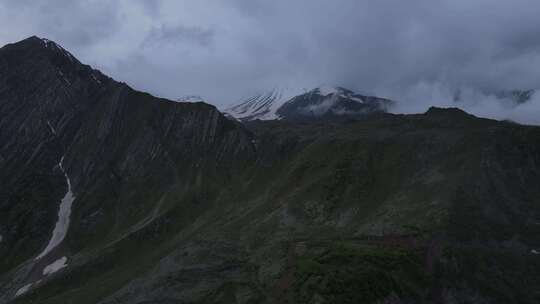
(47, 42)
(62, 225)
(51, 127)
(55, 266)
(50, 44)
(64, 77)
(23, 289)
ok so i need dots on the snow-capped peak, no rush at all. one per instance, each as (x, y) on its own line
(53, 45)
(285, 103)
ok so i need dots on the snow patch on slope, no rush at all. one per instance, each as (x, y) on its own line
(23, 289)
(51, 44)
(64, 213)
(26, 288)
(53, 130)
(55, 266)
(262, 106)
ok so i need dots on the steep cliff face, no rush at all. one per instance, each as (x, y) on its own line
(44, 93)
(123, 152)
(173, 203)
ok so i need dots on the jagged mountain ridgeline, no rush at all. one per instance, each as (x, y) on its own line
(110, 195)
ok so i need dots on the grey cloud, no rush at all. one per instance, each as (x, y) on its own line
(76, 24)
(180, 34)
(419, 52)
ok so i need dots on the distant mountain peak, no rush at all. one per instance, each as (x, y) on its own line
(190, 98)
(321, 101)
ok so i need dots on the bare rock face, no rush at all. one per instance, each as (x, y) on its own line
(172, 202)
(110, 138)
(44, 94)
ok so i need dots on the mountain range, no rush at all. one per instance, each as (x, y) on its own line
(111, 195)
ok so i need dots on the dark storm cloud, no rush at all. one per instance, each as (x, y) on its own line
(419, 52)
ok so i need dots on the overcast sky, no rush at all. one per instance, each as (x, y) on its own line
(420, 52)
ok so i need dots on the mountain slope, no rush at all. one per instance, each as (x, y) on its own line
(174, 203)
(124, 152)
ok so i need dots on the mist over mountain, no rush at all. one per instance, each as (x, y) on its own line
(521, 106)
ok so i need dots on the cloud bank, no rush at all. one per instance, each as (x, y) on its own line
(419, 52)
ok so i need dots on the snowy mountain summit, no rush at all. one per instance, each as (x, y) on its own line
(321, 102)
(262, 106)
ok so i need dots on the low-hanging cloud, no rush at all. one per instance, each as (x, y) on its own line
(421, 97)
(419, 52)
